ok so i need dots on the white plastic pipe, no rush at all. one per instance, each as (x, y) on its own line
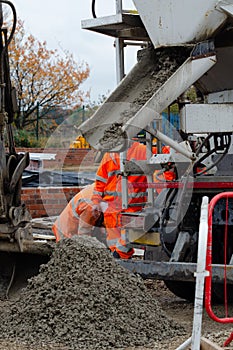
(185, 344)
(200, 275)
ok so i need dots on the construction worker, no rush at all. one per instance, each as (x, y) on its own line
(78, 217)
(108, 188)
(162, 175)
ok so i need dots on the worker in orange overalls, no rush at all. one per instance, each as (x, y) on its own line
(78, 217)
(108, 189)
(168, 175)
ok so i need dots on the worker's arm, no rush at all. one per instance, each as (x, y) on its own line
(86, 220)
(101, 180)
(85, 212)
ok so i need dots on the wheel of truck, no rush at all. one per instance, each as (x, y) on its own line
(186, 290)
(182, 289)
(218, 291)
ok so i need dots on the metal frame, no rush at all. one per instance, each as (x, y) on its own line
(209, 265)
(173, 271)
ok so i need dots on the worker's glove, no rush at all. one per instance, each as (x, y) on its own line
(96, 211)
(103, 206)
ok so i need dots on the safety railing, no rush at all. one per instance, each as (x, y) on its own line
(225, 196)
(205, 265)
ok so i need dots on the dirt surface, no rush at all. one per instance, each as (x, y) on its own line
(82, 299)
(181, 311)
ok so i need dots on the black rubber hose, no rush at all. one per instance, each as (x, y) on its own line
(14, 19)
(93, 9)
(202, 144)
(217, 161)
(171, 195)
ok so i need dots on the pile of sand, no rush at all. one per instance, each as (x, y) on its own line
(82, 299)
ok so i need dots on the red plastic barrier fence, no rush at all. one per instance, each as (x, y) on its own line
(208, 281)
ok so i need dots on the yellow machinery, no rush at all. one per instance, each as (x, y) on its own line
(80, 142)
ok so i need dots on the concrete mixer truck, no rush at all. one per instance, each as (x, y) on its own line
(183, 44)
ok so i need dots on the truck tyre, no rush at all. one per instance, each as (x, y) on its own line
(182, 289)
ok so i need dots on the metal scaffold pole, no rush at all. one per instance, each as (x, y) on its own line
(120, 73)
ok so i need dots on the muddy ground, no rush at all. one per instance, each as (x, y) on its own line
(82, 299)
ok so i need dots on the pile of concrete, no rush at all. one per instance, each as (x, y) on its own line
(82, 299)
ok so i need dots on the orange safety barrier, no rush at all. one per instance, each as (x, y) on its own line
(208, 281)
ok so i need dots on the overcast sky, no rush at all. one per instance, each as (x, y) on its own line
(59, 23)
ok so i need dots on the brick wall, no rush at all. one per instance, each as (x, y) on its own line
(65, 157)
(48, 201)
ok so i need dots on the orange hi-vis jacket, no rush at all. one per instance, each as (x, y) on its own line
(108, 179)
(77, 217)
(168, 175)
(108, 188)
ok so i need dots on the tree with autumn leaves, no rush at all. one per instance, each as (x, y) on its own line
(43, 78)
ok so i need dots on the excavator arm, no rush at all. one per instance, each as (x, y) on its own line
(14, 217)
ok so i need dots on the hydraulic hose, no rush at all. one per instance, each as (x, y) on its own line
(93, 9)
(170, 197)
(217, 161)
(14, 19)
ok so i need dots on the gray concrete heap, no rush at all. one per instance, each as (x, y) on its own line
(82, 299)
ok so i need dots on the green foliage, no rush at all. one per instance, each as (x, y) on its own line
(192, 94)
(77, 117)
(82, 113)
(174, 108)
(23, 138)
(44, 79)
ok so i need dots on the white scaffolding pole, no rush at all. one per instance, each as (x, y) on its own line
(200, 274)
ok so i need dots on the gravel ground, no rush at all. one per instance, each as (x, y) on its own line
(181, 311)
(82, 299)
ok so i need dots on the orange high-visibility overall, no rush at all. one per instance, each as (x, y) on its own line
(108, 188)
(168, 175)
(77, 217)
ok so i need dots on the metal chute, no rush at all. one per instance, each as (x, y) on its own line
(157, 80)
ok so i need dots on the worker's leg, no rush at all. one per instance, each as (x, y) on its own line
(121, 247)
(112, 230)
(115, 239)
